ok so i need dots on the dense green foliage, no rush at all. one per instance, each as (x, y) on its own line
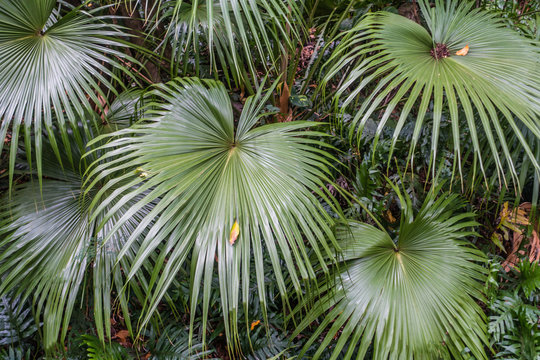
(269, 179)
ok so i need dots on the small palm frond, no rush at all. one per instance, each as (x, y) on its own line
(409, 297)
(52, 69)
(514, 328)
(502, 322)
(96, 350)
(48, 242)
(497, 81)
(240, 34)
(227, 192)
(529, 277)
(125, 110)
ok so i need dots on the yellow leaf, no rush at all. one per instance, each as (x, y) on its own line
(255, 323)
(463, 51)
(235, 231)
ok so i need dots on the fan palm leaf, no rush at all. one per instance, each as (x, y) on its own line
(48, 242)
(408, 297)
(497, 82)
(227, 192)
(52, 69)
(240, 34)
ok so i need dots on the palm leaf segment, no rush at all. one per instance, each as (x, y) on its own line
(411, 297)
(208, 174)
(497, 81)
(240, 34)
(51, 67)
(48, 240)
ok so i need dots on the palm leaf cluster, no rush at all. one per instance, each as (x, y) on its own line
(514, 312)
(16, 322)
(50, 239)
(229, 29)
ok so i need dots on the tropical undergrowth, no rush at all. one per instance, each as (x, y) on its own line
(317, 179)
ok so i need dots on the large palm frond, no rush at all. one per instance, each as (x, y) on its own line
(52, 69)
(497, 83)
(208, 173)
(243, 36)
(48, 241)
(408, 297)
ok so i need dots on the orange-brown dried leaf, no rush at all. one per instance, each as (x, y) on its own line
(254, 324)
(122, 337)
(463, 51)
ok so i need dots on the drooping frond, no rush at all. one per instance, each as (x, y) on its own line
(242, 36)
